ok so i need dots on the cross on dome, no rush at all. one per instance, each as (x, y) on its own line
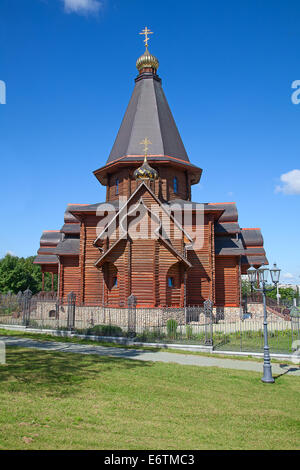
(146, 142)
(146, 33)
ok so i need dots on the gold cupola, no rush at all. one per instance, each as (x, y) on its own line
(147, 60)
(145, 172)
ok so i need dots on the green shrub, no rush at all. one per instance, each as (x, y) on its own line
(150, 335)
(105, 330)
(34, 324)
(189, 332)
(200, 337)
(172, 328)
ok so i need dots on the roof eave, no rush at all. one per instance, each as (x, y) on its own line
(101, 173)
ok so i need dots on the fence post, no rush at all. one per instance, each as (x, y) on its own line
(208, 309)
(57, 305)
(132, 301)
(27, 295)
(71, 310)
(295, 324)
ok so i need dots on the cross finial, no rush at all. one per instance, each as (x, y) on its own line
(146, 142)
(146, 33)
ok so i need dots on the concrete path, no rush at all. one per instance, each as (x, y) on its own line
(142, 355)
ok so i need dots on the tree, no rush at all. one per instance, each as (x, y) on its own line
(17, 274)
(286, 293)
(246, 287)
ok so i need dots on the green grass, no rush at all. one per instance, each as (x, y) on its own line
(279, 341)
(52, 400)
(67, 339)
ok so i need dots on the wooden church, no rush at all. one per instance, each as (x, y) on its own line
(149, 238)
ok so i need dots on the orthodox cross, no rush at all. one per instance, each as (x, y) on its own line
(146, 33)
(146, 142)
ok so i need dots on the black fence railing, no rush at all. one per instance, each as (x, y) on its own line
(189, 325)
(281, 308)
(192, 324)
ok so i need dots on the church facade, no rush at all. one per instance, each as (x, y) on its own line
(149, 239)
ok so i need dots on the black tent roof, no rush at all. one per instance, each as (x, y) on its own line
(148, 115)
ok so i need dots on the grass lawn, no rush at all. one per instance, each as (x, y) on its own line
(67, 339)
(279, 342)
(52, 400)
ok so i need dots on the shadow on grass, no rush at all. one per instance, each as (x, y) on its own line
(289, 369)
(56, 373)
(74, 347)
(7, 335)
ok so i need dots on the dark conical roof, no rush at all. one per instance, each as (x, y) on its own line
(148, 114)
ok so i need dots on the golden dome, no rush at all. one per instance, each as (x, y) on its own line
(145, 172)
(147, 60)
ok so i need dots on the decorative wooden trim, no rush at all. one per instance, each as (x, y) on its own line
(82, 260)
(213, 260)
(210, 257)
(61, 293)
(182, 275)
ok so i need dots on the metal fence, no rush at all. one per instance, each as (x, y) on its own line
(19, 309)
(256, 297)
(281, 309)
(191, 325)
(248, 336)
(164, 324)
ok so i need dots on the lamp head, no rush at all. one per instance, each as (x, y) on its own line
(263, 273)
(252, 274)
(275, 274)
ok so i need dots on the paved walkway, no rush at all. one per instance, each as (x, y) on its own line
(142, 355)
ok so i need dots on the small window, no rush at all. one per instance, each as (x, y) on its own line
(175, 185)
(171, 282)
(115, 281)
(117, 186)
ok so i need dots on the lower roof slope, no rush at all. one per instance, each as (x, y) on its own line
(230, 239)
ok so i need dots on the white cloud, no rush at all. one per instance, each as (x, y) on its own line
(288, 276)
(291, 183)
(11, 253)
(82, 6)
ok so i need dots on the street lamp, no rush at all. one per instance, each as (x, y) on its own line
(275, 274)
(263, 273)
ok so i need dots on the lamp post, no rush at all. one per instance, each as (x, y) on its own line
(263, 273)
(278, 294)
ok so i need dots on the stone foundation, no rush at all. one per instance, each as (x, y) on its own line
(228, 314)
(257, 312)
(87, 316)
(152, 321)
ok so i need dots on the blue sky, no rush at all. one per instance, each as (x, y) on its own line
(227, 70)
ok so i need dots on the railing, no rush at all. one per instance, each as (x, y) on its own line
(190, 325)
(282, 309)
(248, 336)
(162, 324)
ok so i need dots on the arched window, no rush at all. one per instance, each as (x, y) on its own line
(117, 186)
(175, 184)
(115, 281)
